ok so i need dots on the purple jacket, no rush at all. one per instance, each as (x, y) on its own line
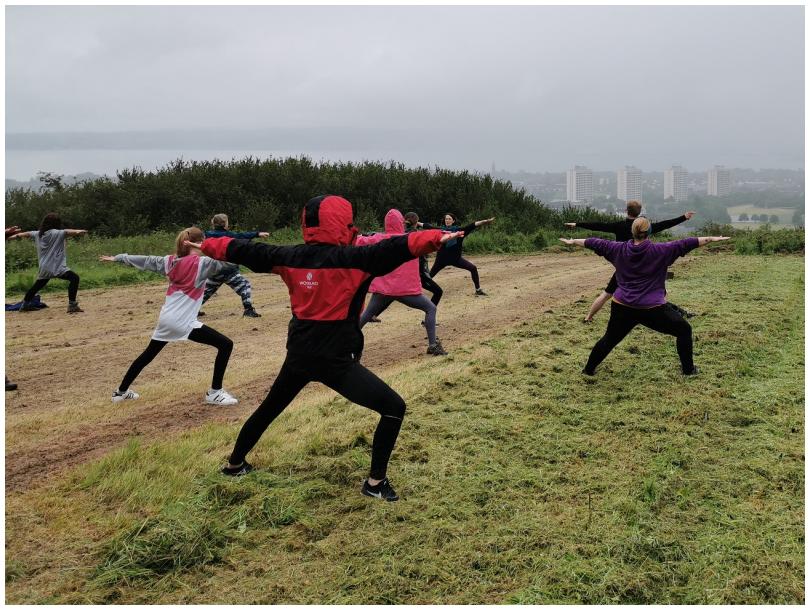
(641, 269)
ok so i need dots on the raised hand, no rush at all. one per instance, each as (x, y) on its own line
(689, 215)
(12, 231)
(106, 259)
(571, 225)
(448, 236)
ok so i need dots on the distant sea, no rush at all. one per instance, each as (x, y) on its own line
(23, 164)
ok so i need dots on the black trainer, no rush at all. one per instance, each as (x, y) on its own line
(436, 349)
(251, 313)
(585, 371)
(695, 370)
(381, 490)
(237, 471)
(480, 293)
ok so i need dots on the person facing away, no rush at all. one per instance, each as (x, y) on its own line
(50, 243)
(622, 229)
(403, 284)
(230, 273)
(187, 272)
(640, 297)
(327, 278)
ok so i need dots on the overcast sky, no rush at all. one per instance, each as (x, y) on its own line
(538, 88)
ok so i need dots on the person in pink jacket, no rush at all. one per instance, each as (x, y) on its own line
(403, 285)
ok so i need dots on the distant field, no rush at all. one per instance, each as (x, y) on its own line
(522, 480)
(785, 215)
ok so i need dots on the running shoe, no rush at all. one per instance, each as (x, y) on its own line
(436, 349)
(10, 387)
(251, 313)
(381, 490)
(695, 370)
(219, 397)
(237, 471)
(74, 308)
(479, 292)
(118, 396)
(585, 371)
(200, 314)
(375, 319)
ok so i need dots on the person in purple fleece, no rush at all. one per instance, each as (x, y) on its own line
(641, 296)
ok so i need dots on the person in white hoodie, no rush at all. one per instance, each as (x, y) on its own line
(187, 271)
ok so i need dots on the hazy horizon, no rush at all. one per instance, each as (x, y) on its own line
(533, 88)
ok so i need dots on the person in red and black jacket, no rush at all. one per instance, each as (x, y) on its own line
(622, 229)
(327, 278)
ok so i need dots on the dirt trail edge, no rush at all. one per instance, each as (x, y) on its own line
(66, 366)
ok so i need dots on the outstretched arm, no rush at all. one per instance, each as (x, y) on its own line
(20, 235)
(260, 258)
(144, 263)
(573, 242)
(75, 232)
(478, 223)
(702, 241)
(385, 256)
(657, 227)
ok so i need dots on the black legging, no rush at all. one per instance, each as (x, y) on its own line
(662, 319)
(461, 263)
(70, 276)
(348, 378)
(205, 335)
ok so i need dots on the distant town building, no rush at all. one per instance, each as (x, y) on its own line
(719, 181)
(675, 183)
(579, 185)
(628, 184)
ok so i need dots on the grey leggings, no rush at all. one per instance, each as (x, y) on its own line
(378, 302)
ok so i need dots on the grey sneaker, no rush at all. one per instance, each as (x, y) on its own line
(479, 292)
(73, 307)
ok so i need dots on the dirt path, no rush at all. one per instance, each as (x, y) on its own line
(67, 366)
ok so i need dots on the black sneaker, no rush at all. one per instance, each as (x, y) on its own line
(237, 471)
(10, 387)
(585, 371)
(436, 349)
(695, 370)
(381, 490)
(480, 292)
(251, 313)
(200, 314)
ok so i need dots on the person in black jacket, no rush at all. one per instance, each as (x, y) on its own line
(622, 229)
(450, 254)
(327, 279)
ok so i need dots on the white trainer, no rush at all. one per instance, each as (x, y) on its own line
(219, 397)
(122, 396)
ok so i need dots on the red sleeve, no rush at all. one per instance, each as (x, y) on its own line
(424, 242)
(216, 247)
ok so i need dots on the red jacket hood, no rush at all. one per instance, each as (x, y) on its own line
(328, 219)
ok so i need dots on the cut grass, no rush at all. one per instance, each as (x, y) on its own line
(522, 481)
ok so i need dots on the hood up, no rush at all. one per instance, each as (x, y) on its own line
(328, 219)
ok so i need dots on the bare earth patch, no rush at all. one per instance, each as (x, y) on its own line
(67, 366)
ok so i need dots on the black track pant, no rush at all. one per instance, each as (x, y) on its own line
(70, 276)
(348, 378)
(205, 335)
(431, 286)
(662, 319)
(461, 263)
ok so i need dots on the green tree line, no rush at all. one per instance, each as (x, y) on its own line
(268, 194)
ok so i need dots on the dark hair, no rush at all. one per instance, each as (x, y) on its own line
(411, 218)
(51, 221)
(633, 208)
(451, 215)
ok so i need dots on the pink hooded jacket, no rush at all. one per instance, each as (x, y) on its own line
(404, 280)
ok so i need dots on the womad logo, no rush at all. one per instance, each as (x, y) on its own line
(308, 283)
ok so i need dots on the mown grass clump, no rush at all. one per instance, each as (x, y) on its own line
(521, 480)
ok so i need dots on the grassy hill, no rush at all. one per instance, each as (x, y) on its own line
(522, 481)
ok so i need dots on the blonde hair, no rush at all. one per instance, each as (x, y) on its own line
(191, 234)
(219, 221)
(641, 228)
(633, 208)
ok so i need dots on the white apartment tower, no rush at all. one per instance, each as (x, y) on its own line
(719, 182)
(675, 183)
(628, 184)
(579, 185)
